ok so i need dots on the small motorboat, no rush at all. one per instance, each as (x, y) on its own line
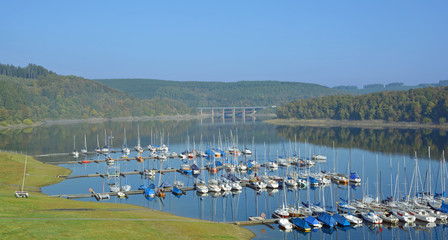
(285, 224)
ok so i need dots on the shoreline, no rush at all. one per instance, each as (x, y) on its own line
(51, 122)
(32, 215)
(179, 117)
(371, 124)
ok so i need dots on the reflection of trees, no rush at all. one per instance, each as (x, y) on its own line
(59, 138)
(381, 140)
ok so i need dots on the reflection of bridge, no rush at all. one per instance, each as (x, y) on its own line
(222, 112)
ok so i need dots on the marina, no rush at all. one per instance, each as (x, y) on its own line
(321, 176)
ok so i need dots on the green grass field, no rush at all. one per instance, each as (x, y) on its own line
(44, 217)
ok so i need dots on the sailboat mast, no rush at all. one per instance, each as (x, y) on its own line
(429, 169)
(390, 166)
(24, 172)
(377, 179)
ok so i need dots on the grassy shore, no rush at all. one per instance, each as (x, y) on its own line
(373, 124)
(43, 217)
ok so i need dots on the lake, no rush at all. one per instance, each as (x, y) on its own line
(384, 156)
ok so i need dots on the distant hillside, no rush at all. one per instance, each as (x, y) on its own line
(209, 94)
(396, 86)
(33, 93)
(426, 105)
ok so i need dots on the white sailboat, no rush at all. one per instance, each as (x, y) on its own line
(138, 148)
(75, 152)
(125, 148)
(21, 193)
(97, 149)
(105, 149)
(84, 149)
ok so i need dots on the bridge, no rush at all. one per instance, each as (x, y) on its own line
(229, 111)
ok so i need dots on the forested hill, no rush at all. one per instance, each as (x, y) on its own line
(33, 94)
(424, 105)
(210, 94)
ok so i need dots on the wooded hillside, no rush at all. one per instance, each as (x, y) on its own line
(424, 105)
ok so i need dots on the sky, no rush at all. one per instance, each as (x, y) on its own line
(326, 42)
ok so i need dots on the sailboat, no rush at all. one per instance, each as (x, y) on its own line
(21, 193)
(125, 148)
(97, 149)
(105, 149)
(84, 149)
(75, 152)
(138, 148)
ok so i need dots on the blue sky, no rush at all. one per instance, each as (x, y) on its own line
(324, 42)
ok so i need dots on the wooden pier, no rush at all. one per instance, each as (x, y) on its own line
(123, 174)
(257, 221)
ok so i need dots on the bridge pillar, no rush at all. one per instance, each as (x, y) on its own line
(201, 111)
(244, 114)
(233, 114)
(223, 114)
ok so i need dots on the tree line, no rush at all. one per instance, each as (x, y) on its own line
(32, 71)
(424, 105)
(51, 96)
(218, 94)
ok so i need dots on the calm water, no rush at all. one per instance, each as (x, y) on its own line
(394, 150)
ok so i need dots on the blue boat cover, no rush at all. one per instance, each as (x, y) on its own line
(149, 191)
(218, 163)
(311, 220)
(341, 220)
(300, 223)
(444, 207)
(353, 175)
(194, 167)
(176, 191)
(312, 180)
(326, 219)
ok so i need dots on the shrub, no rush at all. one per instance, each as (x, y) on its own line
(27, 121)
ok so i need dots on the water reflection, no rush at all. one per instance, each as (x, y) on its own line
(240, 205)
(394, 141)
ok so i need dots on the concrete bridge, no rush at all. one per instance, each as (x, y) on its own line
(222, 112)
